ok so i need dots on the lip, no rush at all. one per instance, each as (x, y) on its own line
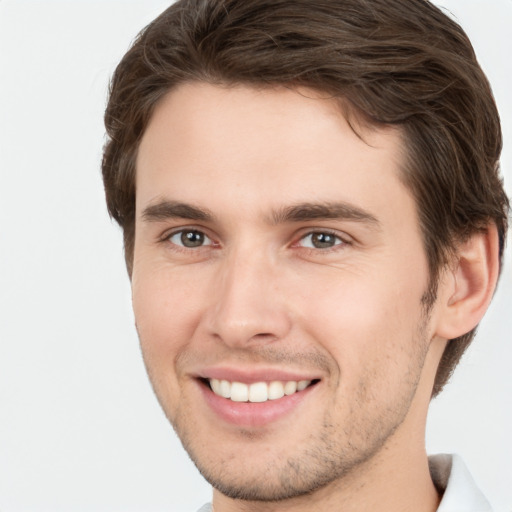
(250, 414)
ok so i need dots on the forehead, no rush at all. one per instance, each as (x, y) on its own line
(263, 145)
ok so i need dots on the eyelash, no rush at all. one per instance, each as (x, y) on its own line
(176, 246)
(340, 241)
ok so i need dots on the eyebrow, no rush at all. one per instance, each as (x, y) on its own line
(301, 212)
(165, 209)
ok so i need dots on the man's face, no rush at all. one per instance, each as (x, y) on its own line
(274, 247)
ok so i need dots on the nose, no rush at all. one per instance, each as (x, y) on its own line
(248, 303)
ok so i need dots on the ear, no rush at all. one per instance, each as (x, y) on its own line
(469, 284)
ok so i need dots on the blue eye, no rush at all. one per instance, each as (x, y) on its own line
(190, 238)
(320, 240)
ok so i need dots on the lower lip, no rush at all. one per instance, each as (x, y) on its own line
(253, 414)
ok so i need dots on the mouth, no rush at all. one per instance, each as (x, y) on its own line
(257, 392)
(255, 397)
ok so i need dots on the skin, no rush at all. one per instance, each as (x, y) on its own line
(259, 295)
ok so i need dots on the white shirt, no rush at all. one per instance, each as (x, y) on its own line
(452, 478)
(461, 494)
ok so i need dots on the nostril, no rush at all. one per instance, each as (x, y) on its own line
(264, 336)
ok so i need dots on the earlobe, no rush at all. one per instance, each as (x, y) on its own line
(470, 284)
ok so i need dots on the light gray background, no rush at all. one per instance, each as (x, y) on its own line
(79, 427)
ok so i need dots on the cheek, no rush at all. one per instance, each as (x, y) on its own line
(367, 323)
(167, 308)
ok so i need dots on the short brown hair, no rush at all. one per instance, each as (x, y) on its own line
(395, 62)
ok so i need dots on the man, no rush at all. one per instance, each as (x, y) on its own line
(314, 223)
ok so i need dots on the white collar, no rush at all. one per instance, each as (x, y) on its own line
(461, 494)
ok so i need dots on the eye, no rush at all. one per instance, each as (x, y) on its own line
(320, 240)
(189, 238)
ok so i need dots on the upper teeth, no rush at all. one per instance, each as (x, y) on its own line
(258, 391)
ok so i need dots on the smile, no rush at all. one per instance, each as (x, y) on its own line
(256, 392)
(257, 398)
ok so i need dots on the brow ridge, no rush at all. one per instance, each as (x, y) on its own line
(167, 209)
(303, 212)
